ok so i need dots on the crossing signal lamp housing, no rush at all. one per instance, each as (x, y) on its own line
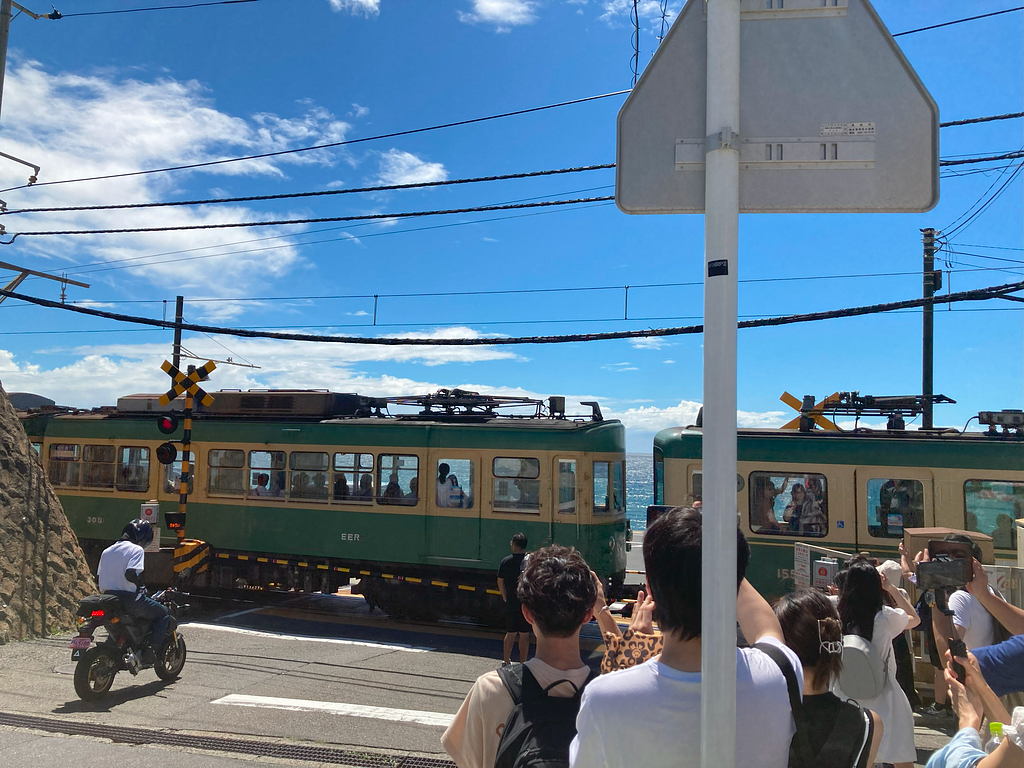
(167, 423)
(175, 520)
(166, 453)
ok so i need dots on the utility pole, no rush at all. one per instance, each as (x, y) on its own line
(179, 306)
(927, 326)
(5, 31)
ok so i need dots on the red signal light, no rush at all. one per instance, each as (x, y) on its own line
(98, 614)
(167, 423)
(166, 453)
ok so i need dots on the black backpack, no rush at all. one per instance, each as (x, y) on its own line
(540, 727)
(845, 743)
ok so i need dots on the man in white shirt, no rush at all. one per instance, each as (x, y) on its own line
(120, 574)
(558, 594)
(662, 696)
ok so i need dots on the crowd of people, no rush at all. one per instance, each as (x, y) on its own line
(818, 676)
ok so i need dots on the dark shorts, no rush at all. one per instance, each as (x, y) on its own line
(514, 619)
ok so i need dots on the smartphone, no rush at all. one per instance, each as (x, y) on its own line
(956, 550)
(958, 648)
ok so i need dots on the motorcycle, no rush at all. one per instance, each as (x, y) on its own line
(127, 646)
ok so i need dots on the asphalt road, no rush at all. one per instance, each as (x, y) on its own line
(312, 670)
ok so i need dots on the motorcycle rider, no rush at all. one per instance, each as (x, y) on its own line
(120, 574)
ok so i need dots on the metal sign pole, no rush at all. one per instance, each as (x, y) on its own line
(721, 234)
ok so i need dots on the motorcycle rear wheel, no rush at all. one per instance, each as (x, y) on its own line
(95, 673)
(168, 666)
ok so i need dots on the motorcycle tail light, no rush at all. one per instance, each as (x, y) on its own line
(98, 614)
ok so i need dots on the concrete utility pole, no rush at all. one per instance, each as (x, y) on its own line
(5, 31)
(721, 241)
(927, 327)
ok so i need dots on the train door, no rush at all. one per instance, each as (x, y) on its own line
(567, 495)
(889, 500)
(452, 488)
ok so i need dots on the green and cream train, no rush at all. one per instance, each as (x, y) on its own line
(304, 489)
(853, 491)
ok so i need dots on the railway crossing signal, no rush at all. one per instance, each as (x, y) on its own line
(186, 384)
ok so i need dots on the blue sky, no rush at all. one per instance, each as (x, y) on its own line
(87, 96)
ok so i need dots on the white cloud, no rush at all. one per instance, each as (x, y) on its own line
(359, 111)
(651, 418)
(80, 126)
(501, 13)
(618, 11)
(669, 362)
(649, 342)
(357, 7)
(399, 167)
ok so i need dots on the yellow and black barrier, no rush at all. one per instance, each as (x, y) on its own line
(352, 571)
(191, 553)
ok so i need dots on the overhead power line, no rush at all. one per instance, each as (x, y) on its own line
(316, 193)
(320, 220)
(975, 295)
(394, 187)
(989, 119)
(959, 21)
(154, 8)
(988, 159)
(346, 142)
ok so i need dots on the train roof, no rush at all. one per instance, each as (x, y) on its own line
(291, 417)
(908, 448)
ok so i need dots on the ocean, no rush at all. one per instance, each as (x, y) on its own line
(639, 488)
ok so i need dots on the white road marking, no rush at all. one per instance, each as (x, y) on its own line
(308, 639)
(438, 719)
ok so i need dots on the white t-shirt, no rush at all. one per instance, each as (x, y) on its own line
(662, 706)
(970, 615)
(472, 738)
(115, 560)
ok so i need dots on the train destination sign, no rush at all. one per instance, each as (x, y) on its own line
(833, 117)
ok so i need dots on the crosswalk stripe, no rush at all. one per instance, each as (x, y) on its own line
(307, 638)
(439, 719)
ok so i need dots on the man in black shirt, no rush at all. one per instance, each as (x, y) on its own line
(516, 625)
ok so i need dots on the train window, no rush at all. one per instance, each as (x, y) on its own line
(65, 466)
(133, 469)
(266, 474)
(991, 506)
(172, 476)
(618, 487)
(566, 487)
(398, 476)
(353, 477)
(308, 476)
(659, 476)
(893, 505)
(98, 466)
(601, 506)
(227, 471)
(455, 483)
(791, 503)
(516, 484)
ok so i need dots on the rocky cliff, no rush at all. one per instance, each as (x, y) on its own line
(43, 572)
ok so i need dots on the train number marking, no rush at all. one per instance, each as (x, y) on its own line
(784, 573)
(94, 520)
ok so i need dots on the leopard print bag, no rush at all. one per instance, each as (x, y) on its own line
(629, 650)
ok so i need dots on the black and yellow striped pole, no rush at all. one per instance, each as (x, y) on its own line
(186, 384)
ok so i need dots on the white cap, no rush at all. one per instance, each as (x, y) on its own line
(892, 570)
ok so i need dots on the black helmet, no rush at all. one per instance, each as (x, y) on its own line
(138, 532)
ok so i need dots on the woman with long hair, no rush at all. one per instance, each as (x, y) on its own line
(839, 733)
(863, 612)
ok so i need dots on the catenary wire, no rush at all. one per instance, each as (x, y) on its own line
(154, 8)
(959, 21)
(973, 295)
(316, 193)
(393, 187)
(346, 142)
